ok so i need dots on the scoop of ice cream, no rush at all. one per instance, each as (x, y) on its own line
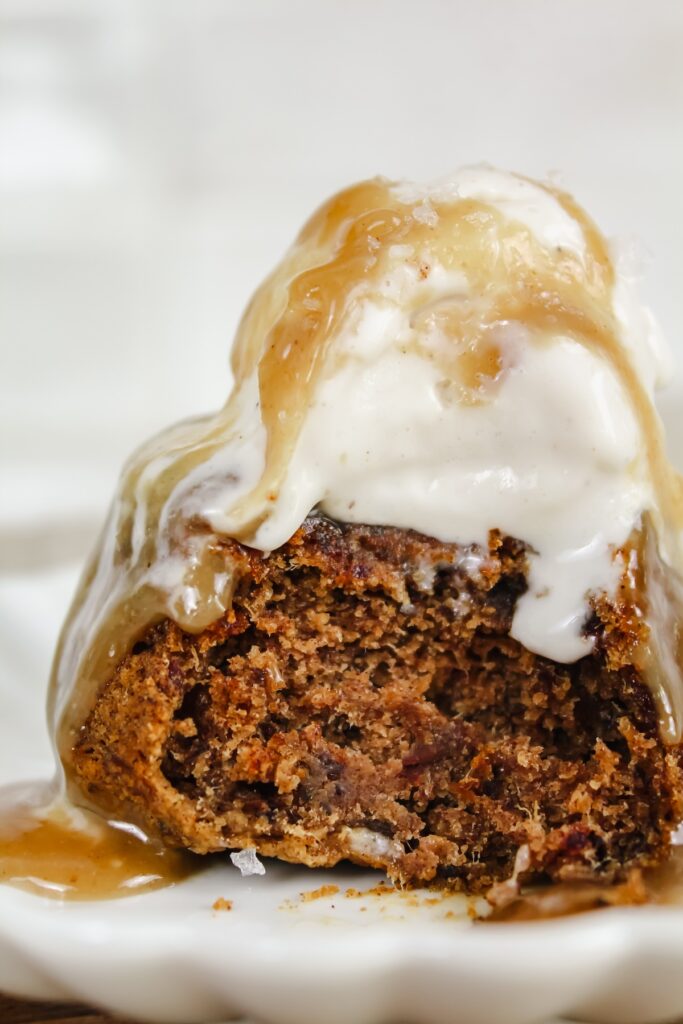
(453, 359)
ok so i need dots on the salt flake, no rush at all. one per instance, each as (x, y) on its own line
(247, 862)
(426, 214)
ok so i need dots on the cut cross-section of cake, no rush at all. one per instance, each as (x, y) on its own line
(413, 598)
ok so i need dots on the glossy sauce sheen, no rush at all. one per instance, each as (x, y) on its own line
(51, 856)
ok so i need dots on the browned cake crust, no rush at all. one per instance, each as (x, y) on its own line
(362, 699)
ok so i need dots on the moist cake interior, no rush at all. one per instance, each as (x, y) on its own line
(362, 699)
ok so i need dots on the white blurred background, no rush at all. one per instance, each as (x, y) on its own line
(156, 157)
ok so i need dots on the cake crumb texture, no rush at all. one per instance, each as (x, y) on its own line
(363, 700)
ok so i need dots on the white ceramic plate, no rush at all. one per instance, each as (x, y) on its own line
(168, 956)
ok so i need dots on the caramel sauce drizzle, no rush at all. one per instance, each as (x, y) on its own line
(287, 338)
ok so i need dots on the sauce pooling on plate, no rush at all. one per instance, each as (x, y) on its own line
(79, 856)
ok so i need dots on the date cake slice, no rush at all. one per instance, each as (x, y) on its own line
(413, 597)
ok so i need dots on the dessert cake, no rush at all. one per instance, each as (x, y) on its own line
(412, 598)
